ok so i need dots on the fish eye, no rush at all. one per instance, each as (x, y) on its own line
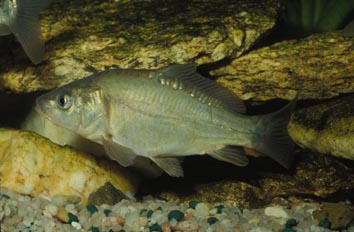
(64, 102)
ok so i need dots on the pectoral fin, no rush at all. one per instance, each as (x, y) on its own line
(123, 155)
(171, 166)
(231, 154)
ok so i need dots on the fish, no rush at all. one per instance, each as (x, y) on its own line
(20, 17)
(166, 114)
(348, 30)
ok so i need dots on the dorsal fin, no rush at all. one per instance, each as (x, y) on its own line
(184, 77)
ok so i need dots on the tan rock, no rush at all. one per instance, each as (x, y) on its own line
(326, 128)
(319, 66)
(83, 37)
(31, 164)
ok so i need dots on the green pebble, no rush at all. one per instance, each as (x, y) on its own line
(325, 223)
(288, 230)
(291, 223)
(72, 218)
(91, 208)
(219, 208)
(212, 220)
(175, 214)
(107, 212)
(155, 227)
(95, 229)
(143, 212)
(193, 204)
(4, 196)
(149, 213)
(159, 208)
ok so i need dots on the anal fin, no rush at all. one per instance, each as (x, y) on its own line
(123, 155)
(171, 166)
(231, 154)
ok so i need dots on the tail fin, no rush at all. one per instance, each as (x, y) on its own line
(26, 27)
(272, 138)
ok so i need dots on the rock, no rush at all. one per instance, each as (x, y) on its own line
(62, 200)
(202, 210)
(327, 128)
(31, 164)
(88, 36)
(107, 194)
(276, 211)
(319, 66)
(339, 215)
(262, 183)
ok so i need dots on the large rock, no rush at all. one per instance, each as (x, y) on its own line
(319, 66)
(31, 164)
(327, 128)
(83, 37)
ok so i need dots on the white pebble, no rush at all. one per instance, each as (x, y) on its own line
(185, 224)
(50, 210)
(131, 222)
(213, 211)
(276, 211)
(76, 225)
(27, 223)
(7, 211)
(201, 210)
(62, 200)
(70, 208)
(158, 217)
(173, 222)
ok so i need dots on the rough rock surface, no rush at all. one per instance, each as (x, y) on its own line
(31, 164)
(319, 66)
(315, 176)
(327, 128)
(83, 37)
(107, 194)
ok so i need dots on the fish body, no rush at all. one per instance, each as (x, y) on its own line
(20, 17)
(163, 115)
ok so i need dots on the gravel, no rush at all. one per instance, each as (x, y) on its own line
(24, 213)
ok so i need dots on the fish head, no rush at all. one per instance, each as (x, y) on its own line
(77, 108)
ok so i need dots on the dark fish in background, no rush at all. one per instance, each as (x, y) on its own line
(20, 17)
(166, 114)
(349, 29)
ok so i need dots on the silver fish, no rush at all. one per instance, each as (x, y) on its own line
(20, 17)
(166, 114)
